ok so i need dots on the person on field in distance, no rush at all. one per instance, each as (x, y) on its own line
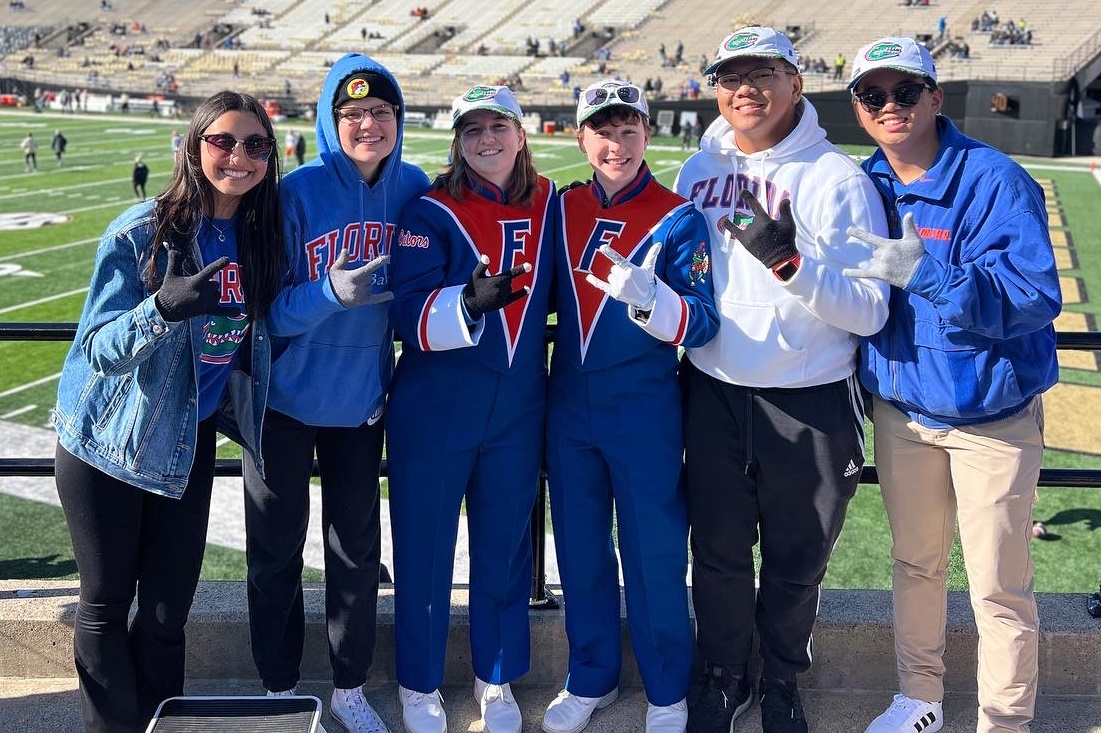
(332, 357)
(774, 419)
(956, 377)
(171, 345)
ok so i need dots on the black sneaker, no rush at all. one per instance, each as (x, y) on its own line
(781, 710)
(721, 701)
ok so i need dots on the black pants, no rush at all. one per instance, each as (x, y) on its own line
(126, 539)
(276, 516)
(779, 465)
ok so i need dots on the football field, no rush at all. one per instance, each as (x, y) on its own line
(51, 220)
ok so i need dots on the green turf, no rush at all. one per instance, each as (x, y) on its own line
(93, 186)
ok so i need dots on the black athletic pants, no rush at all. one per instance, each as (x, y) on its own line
(129, 541)
(778, 465)
(277, 511)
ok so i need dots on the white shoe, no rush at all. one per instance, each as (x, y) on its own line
(569, 713)
(907, 715)
(422, 712)
(289, 693)
(667, 718)
(351, 709)
(500, 713)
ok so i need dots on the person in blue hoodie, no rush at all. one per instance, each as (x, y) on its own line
(471, 276)
(332, 356)
(171, 346)
(956, 375)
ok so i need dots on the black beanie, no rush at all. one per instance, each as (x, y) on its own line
(363, 84)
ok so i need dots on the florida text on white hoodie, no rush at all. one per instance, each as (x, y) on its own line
(802, 332)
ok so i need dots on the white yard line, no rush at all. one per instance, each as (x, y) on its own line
(28, 385)
(40, 301)
(46, 250)
(16, 413)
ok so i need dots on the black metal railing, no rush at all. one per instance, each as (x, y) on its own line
(540, 597)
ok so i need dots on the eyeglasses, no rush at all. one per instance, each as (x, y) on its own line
(904, 95)
(355, 115)
(600, 95)
(256, 147)
(761, 78)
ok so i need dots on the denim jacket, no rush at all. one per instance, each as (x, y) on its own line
(127, 401)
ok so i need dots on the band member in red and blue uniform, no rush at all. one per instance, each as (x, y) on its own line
(634, 283)
(471, 276)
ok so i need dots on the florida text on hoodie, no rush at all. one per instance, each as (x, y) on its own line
(973, 341)
(802, 332)
(332, 365)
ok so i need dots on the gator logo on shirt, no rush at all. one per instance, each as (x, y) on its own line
(701, 265)
(222, 336)
(882, 51)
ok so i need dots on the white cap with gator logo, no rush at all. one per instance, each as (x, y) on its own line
(901, 54)
(754, 42)
(495, 99)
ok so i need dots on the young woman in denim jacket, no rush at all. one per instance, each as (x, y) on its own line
(171, 339)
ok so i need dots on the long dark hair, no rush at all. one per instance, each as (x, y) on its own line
(180, 209)
(521, 184)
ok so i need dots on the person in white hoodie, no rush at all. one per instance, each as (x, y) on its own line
(774, 419)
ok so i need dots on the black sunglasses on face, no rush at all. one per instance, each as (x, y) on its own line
(593, 97)
(904, 95)
(223, 144)
(761, 78)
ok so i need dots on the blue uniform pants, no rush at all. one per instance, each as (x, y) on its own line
(477, 434)
(615, 438)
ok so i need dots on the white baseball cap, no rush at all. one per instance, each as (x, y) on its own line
(901, 54)
(610, 93)
(495, 99)
(754, 42)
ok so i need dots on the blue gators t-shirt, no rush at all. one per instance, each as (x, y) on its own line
(222, 335)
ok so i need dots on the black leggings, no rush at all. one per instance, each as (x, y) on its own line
(128, 540)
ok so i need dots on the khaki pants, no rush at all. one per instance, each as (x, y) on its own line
(984, 476)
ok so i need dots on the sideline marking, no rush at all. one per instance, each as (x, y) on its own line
(29, 385)
(40, 301)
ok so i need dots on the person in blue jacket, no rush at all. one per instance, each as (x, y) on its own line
(332, 358)
(471, 274)
(170, 345)
(956, 375)
(634, 284)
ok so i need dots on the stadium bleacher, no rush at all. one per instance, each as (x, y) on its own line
(288, 44)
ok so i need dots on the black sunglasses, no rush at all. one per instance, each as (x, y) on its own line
(600, 95)
(256, 147)
(904, 95)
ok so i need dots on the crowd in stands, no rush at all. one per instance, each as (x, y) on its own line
(1011, 33)
(676, 59)
(916, 3)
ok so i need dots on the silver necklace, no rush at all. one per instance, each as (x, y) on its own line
(221, 232)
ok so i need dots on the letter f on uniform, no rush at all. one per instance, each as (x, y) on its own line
(604, 232)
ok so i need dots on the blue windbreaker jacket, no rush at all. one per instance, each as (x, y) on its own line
(970, 339)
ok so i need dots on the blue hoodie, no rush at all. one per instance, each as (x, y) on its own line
(970, 340)
(331, 365)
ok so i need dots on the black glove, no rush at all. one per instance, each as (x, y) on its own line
(489, 293)
(770, 240)
(183, 296)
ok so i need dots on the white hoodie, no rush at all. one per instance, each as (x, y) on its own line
(802, 332)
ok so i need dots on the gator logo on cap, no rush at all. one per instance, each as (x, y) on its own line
(479, 94)
(357, 88)
(741, 40)
(882, 51)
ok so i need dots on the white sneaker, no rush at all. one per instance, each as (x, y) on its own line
(907, 715)
(422, 712)
(351, 709)
(500, 713)
(569, 713)
(289, 693)
(667, 718)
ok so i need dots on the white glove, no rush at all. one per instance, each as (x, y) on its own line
(353, 288)
(893, 260)
(628, 283)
